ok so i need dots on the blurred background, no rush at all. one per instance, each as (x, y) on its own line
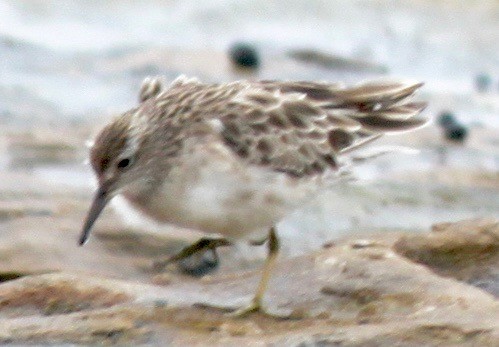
(66, 67)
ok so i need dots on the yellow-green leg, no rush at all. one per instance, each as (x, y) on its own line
(256, 303)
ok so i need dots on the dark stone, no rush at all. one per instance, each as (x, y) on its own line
(452, 130)
(456, 133)
(446, 119)
(483, 82)
(244, 55)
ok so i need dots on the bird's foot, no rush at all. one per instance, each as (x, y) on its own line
(197, 259)
(254, 306)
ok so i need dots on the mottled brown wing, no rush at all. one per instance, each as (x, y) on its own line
(304, 128)
(363, 96)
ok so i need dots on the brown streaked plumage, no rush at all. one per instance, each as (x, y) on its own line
(233, 159)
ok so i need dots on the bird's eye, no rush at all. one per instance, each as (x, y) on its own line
(124, 163)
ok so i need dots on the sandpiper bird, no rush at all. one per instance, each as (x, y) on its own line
(233, 159)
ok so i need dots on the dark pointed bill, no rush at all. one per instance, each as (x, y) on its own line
(100, 201)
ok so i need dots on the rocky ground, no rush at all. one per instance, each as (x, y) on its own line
(436, 288)
(371, 286)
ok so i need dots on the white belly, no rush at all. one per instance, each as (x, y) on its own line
(215, 194)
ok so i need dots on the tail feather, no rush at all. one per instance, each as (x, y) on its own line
(378, 91)
(381, 124)
(379, 108)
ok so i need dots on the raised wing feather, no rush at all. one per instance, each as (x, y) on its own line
(300, 128)
(304, 128)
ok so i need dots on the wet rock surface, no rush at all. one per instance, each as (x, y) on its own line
(381, 290)
(466, 251)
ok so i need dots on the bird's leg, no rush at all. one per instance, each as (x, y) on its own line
(256, 303)
(201, 245)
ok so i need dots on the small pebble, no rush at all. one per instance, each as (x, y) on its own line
(359, 244)
(162, 279)
(446, 118)
(483, 82)
(329, 244)
(244, 55)
(456, 133)
(160, 303)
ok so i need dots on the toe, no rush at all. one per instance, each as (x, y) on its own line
(246, 310)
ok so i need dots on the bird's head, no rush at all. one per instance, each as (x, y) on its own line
(119, 154)
(114, 157)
